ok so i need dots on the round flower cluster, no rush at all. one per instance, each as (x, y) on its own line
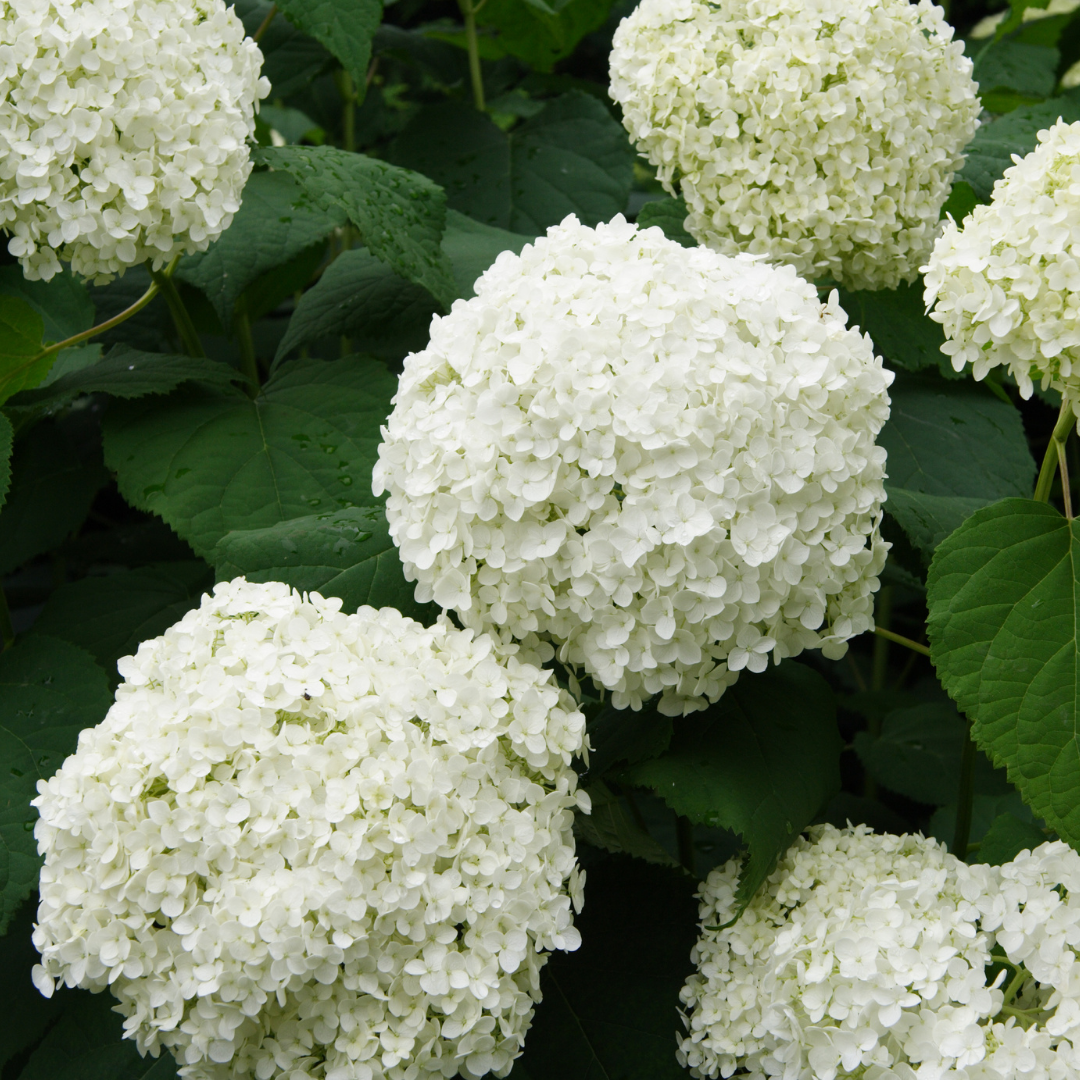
(821, 133)
(660, 460)
(1006, 285)
(123, 130)
(304, 843)
(868, 955)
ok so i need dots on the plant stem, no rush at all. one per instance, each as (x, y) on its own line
(684, 839)
(901, 640)
(7, 631)
(882, 618)
(189, 336)
(265, 24)
(468, 11)
(1015, 984)
(248, 363)
(964, 797)
(1066, 487)
(1053, 455)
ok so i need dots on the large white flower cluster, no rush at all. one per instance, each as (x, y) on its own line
(867, 956)
(123, 129)
(821, 133)
(659, 460)
(310, 844)
(1006, 284)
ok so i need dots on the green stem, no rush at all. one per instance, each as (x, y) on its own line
(265, 24)
(189, 336)
(901, 640)
(7, 631)
(1064, 425)
(1015, 984)
(248, 363)
(964, 797)
(468, 11)
(882, 618)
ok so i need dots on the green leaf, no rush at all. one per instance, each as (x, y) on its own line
(989, 154)
(1030, 70)
(359, 296)
(571, 158)
(897, 324)
(21, 329)
(670, 215)
(918, 755)
(49, 691)
(952, 447)
(276, 223)
(52, 487)
(1002, 597)
(543, 33)
(611, 828)
(345, 27)
(7, 436)
(627, 737)
(610, 1009)
(291, 59)
(109, 615)
(1006, 838)
(209, 462)
(346, 553)
(762, 761)
(400, 215)
(985, 810)
(63, 302)
(958, 205)
(129, 373)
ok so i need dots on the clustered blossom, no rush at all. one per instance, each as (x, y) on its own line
(123, 130)
(310, 844)
(660, 461)
(867, 956)
(821, 133)
(1005, 285)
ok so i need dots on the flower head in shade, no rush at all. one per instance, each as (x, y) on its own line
(821, 133)
(659, 462)
(123, 130)
(1005, 285)
(309, 843)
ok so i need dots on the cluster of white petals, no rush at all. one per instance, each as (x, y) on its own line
(861, 954)
(123, 130)
(867, 956)
(660, 461)
(821, 133)
(1006, 284)
(315, 845)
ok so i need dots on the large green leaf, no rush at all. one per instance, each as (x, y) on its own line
(540, 32)
(49, 691)
(611, 826)
(399, 214)
(291, 59)
(571, 158)
(21, 365)
(53, 484)
(275, 223)
(952, 447)
(1002, 596)
(208, 462)
(345, 27)
(897, 323)
(1006, 838)
(361, 297)
(346, 553)
(129, 373)
(918, 755)
(1030, 70)
(109, 615)
(670, 216)
(990, 153)
(762, 761)
(63, 302)
(610, 1010)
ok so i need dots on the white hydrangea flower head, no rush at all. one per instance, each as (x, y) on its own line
(820, 133)
(123, 130)
(1006, 284)
(659, 461)
(861, 956)
(310, 844)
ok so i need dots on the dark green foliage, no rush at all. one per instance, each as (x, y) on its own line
(1006, 838)
(670, 216)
